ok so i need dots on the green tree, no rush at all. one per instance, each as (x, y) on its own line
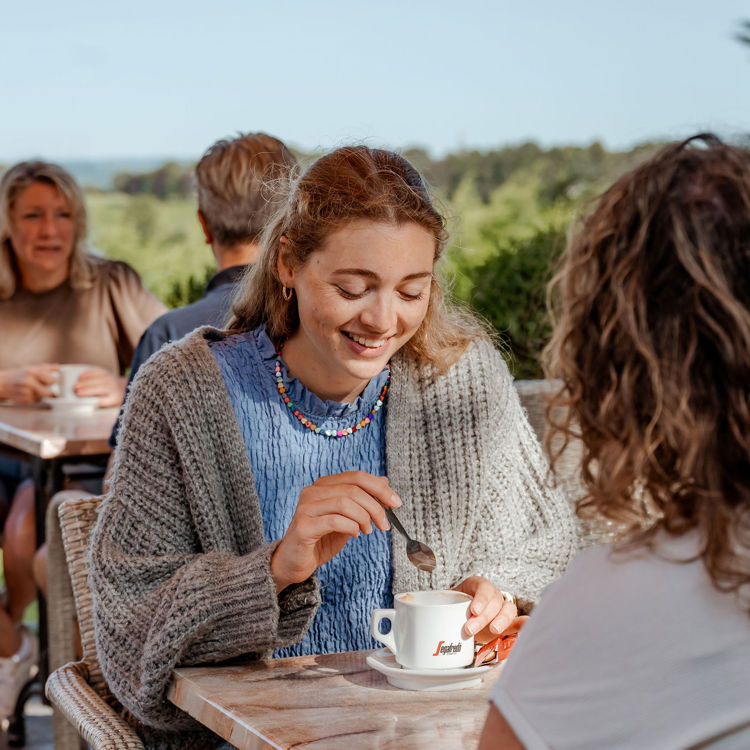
(170, 180)
(509, 290)
(190, 290)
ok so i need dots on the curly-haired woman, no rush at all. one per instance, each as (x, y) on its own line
(646, 644)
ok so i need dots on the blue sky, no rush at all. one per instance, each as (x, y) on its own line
(159, 78)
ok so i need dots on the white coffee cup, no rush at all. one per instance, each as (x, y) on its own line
(67, 377)
(427, 629)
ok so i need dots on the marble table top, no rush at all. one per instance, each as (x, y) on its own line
(333, 701)
(49, 433)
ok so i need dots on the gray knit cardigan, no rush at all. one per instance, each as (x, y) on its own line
(180, 569)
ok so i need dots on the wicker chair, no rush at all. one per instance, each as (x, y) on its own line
(61, 613)
(535, 395)
(78, 689)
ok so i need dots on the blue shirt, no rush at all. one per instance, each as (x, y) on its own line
(210, 310)
(285, 456)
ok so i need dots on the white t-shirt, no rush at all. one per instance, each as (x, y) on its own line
(631, 650)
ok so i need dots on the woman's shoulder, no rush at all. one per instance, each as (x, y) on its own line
(116, 277)
(187, 358)
(108, 269)
(623, 575)
(479, 353)
(612, 610)
(477, 383)
(118, 288)
(478, 369)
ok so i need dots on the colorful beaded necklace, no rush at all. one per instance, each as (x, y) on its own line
(313, 427)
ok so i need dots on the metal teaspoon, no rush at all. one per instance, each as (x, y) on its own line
(419, 554)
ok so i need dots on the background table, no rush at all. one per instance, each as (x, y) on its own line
(334, 701)
(44, 437)
(49, 433)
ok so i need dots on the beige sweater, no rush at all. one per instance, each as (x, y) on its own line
(180, 567)
(96, 326)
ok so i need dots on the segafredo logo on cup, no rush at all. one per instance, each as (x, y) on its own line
(450, 648)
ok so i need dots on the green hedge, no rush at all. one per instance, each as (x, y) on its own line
(509, 290)
(189, 290)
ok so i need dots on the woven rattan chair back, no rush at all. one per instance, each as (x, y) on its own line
(78, 689)
(535, 396)
(62, 632)
(77, 517)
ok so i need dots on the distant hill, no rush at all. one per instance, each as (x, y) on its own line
(561, 168)
(100, 173)
(485, 170)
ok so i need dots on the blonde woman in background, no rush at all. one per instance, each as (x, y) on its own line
(58, 304)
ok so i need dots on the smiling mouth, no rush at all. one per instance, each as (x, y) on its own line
(362, 341)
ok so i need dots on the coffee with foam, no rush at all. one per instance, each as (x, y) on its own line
(427, 629)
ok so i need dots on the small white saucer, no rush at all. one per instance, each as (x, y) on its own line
(77, 405)
(385, 662)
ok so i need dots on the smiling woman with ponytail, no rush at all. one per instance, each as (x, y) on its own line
(344, 383)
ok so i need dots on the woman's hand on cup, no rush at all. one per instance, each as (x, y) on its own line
(329, 512)
(100, 382)
(27, 385)
(491, 614)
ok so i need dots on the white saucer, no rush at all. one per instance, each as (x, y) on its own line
(385, 662)
(77, 405)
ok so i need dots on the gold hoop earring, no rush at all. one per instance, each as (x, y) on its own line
(286, 293)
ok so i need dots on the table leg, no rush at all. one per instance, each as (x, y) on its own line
(47, 481)
(44, 473)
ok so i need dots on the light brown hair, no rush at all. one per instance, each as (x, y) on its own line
(236, 190)
(13, 182)
(349, 184)
(653, 346)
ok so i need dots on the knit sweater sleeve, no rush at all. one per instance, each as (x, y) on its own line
(180, 571)
(475, 483)
(525, 533)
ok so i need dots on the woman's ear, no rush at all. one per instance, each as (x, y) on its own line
(284, 267)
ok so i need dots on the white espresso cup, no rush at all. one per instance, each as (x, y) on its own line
(67, 377)
(427, 629)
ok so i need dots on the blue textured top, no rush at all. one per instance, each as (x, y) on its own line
(285, 456)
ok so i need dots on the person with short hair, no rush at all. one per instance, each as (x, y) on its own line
(346, 383)
(646, 643)
(58, 305)
(237, 180)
